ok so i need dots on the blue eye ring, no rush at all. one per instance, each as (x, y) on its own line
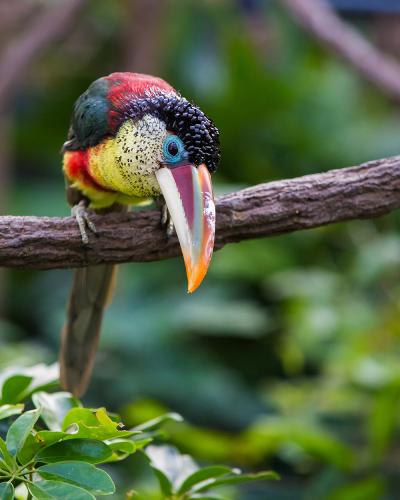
(173, 149)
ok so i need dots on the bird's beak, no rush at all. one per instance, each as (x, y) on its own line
(188, 194)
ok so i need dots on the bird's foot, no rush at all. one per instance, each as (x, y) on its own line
(81, 214)
(166, 220)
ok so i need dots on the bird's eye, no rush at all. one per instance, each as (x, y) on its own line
(173, 149)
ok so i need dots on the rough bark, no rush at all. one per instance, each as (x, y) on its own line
(365, 191)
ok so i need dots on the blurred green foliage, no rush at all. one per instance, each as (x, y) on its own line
(287, 356)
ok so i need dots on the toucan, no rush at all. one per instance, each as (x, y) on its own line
(133, 138)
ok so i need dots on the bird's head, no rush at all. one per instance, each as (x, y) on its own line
(144, 139)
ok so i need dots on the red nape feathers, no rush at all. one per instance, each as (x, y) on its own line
(130, 86)
(125, 88)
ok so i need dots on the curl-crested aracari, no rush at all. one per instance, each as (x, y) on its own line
(134, 137)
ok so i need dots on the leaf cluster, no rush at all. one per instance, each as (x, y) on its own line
(54, 450)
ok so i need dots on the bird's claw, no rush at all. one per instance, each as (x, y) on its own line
(166, 220)
(81, 214)
(164, 215)
(170, 227)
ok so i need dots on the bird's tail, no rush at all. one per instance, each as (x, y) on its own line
(91, 292)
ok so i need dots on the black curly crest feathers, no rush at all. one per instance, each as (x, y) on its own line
(198, 133)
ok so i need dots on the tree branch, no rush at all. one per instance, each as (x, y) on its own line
(319, 19)
(365, 191)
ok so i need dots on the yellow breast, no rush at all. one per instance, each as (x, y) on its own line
(127, 162)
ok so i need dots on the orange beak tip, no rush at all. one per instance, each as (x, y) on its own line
(192, 287)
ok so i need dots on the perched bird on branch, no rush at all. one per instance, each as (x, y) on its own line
(133, 137)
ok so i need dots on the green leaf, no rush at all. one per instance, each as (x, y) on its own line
(6, 491)
(165, 484)
(88, 450)
(158, 422)
(39, 492)
(54, 407)
(202, 475)
(37, 442)
(43, 377)
(9, 460)
(51, 437)
(238, 479)
(30, 447)
(18, 383)
(80, 474)
(20, 430)
(121, 448)
(80, 415)
(105, 420)
(94, 424)
(55, 490)
(10, 410)
(14, 388)
(142, 440)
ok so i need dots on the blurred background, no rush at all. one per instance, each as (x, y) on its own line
(288, 355)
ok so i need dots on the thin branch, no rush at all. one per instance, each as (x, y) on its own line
(319, 19)
(365, 191)
(21, 53)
